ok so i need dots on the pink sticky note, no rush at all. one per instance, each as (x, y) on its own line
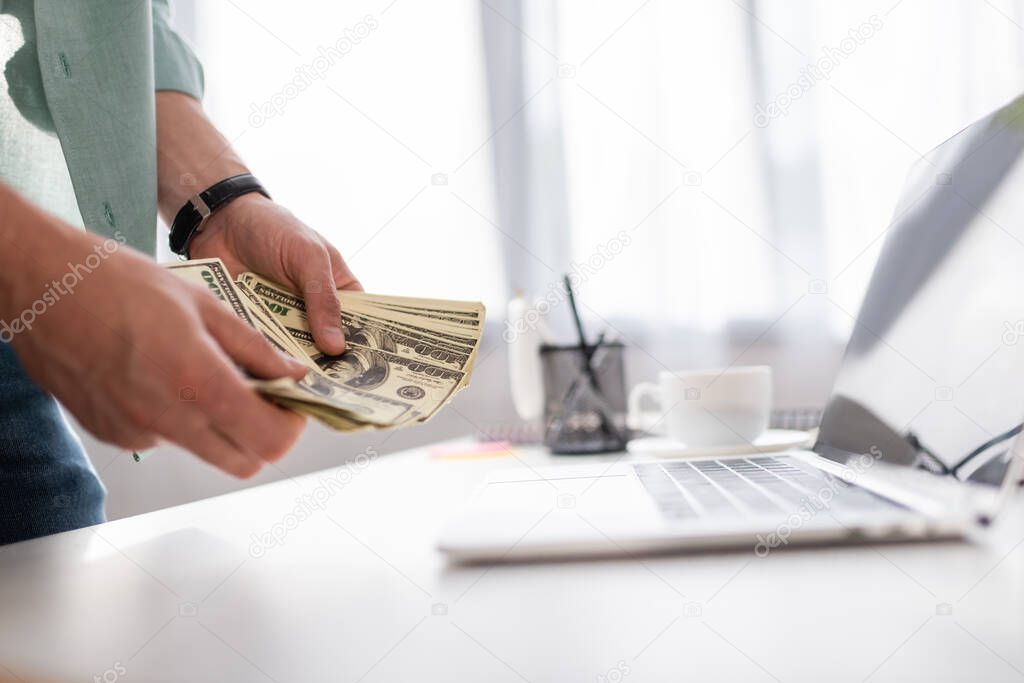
(468, 451)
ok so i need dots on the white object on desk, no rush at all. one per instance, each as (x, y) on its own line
(649, 421)
(525, 332)
(771, 441)
(710, 407)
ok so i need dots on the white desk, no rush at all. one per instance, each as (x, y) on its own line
(357, 592)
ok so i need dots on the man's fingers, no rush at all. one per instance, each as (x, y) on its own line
(247, 425)
(316, 281)
(343, 277)
(248, 348)
(261, 428)
(219, 452)
(254, 425)
(136, 439)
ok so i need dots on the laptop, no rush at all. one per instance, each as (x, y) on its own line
(918, 439)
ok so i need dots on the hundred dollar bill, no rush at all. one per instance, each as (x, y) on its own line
(451, 320)
(446, 307)
(433, 330)
(459, 317)
(327, 416)
(212, 274)
(315, 388)
(361, 330)
(273, 329)
(388, 360)
(405, 358)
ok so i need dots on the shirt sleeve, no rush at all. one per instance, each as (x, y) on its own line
(176, 67)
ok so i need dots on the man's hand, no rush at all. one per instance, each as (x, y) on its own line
(133, 351)
(254, 233)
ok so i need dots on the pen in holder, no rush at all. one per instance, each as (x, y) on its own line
(584, 407)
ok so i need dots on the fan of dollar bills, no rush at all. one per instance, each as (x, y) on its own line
(404, 360)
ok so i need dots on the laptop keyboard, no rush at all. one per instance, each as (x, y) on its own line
(750, 486)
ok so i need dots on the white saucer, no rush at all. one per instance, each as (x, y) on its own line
(771, 441)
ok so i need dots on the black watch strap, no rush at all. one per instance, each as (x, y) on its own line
(189, 220)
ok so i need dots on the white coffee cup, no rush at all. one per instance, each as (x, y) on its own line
(709, 407)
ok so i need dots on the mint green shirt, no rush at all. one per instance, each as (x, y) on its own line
(77, 110)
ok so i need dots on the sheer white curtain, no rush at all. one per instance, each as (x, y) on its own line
(933, 68)
(658, 147)
(718, 175)
(747, 221)
(369, 119)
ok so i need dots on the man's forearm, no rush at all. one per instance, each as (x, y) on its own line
(34, 245)
(192, 155)
(251, 233)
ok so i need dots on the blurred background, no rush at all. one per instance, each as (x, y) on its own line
(718, 176)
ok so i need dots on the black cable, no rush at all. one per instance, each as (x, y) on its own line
(935, 464)
(1009, 434)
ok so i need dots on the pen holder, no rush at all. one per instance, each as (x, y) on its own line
(584, 409)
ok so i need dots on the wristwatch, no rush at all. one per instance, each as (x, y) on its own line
(189, 220)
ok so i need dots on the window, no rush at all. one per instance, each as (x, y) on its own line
(369, 120)
(708, 169)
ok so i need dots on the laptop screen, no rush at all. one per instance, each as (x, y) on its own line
(933, 375)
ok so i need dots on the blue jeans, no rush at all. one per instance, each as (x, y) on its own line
(46, 483)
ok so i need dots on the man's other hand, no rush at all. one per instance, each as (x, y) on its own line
(254, 233)
(138, 355)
